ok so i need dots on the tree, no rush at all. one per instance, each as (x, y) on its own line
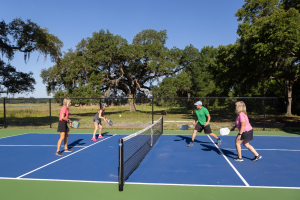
(13, 81)
(267, 50)
(195, 80)
(26, 37)
(107, 62)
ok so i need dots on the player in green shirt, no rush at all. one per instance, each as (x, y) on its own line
(203, 118)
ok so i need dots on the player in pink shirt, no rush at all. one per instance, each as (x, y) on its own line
(63, 126)
(245, 132)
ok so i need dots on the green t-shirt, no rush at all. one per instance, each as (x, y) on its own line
(202, 115)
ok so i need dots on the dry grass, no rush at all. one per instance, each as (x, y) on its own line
(37, 116)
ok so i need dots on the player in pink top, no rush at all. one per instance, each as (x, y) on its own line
(63, 126)
(245, 132)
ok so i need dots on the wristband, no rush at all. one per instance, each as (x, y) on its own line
(239, 134)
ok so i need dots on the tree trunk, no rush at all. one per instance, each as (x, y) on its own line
(289, 102)
(131, 103)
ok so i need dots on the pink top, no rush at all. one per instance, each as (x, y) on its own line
(64, 110)
(242, 117)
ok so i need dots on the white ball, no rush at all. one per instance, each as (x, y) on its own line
(119, 115)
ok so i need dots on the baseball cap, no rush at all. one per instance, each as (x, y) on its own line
(198, 103)
(104, 105)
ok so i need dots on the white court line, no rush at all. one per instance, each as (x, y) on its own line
(4, 145)
(138, 183)
(236, 171)
(64, 157)
(14, 135)
(266, 149)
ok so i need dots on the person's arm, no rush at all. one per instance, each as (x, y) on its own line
(208, 120)
(232, 129)
(63, 116)
(243, 124)
(100, 116)
(195, 120)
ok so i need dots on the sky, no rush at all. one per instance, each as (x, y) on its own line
(197, 22)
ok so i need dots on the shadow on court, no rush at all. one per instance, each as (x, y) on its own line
(188, 139)
(76, 143)
(227, 153)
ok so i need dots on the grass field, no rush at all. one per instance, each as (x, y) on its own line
(37, 115)
(41, 189)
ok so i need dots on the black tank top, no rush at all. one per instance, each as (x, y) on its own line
(96, 117)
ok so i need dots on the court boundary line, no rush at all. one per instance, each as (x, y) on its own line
(230, 135)
(64, 157)
(236, 171)
(13, 135)
(25, 145)
(267, 149)
(8, 145)
(140, 183)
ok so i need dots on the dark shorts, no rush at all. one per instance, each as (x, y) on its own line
(247, 135)
(63, 127)
(200, 127)
(97, 121)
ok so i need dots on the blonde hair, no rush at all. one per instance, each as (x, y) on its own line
(66, 102)
(240, 107)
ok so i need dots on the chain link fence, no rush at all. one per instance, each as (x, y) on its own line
(137, 113)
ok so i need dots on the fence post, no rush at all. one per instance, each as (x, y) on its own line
(50, 112)
(264, 114)
(4, 113)
(152, 109)
(100, 103)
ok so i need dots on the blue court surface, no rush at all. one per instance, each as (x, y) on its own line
(32, 156)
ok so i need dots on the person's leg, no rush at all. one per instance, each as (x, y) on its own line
(250, 147)
(198, 128)
(100, 131)
(194, 135)
(238, 143)
(207, 130)
(62, 136)
(66, 140)
(214, 135)
(95, 130)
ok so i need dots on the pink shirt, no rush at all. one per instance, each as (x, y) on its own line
(64, 110)
(242, 117)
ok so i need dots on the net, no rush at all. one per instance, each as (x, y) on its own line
(133, 149)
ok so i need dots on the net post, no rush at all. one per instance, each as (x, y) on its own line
(121, 165)
(50, 112)
(4, 113)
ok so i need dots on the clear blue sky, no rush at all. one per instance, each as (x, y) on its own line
(197, 22)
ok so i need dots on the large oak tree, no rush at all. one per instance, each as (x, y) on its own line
(106, 62)
(25, 37)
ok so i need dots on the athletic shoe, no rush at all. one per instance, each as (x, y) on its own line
(59, 153)
(94, 139)
(68, 150)
(256, 158)
(219, 141)
(100, 137)
(191, 144)
(238, 159)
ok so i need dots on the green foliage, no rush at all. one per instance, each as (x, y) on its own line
(14, 81)
(107, 62)
(267, 53)
(26, 37)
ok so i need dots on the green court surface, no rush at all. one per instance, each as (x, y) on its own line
(42, 189)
